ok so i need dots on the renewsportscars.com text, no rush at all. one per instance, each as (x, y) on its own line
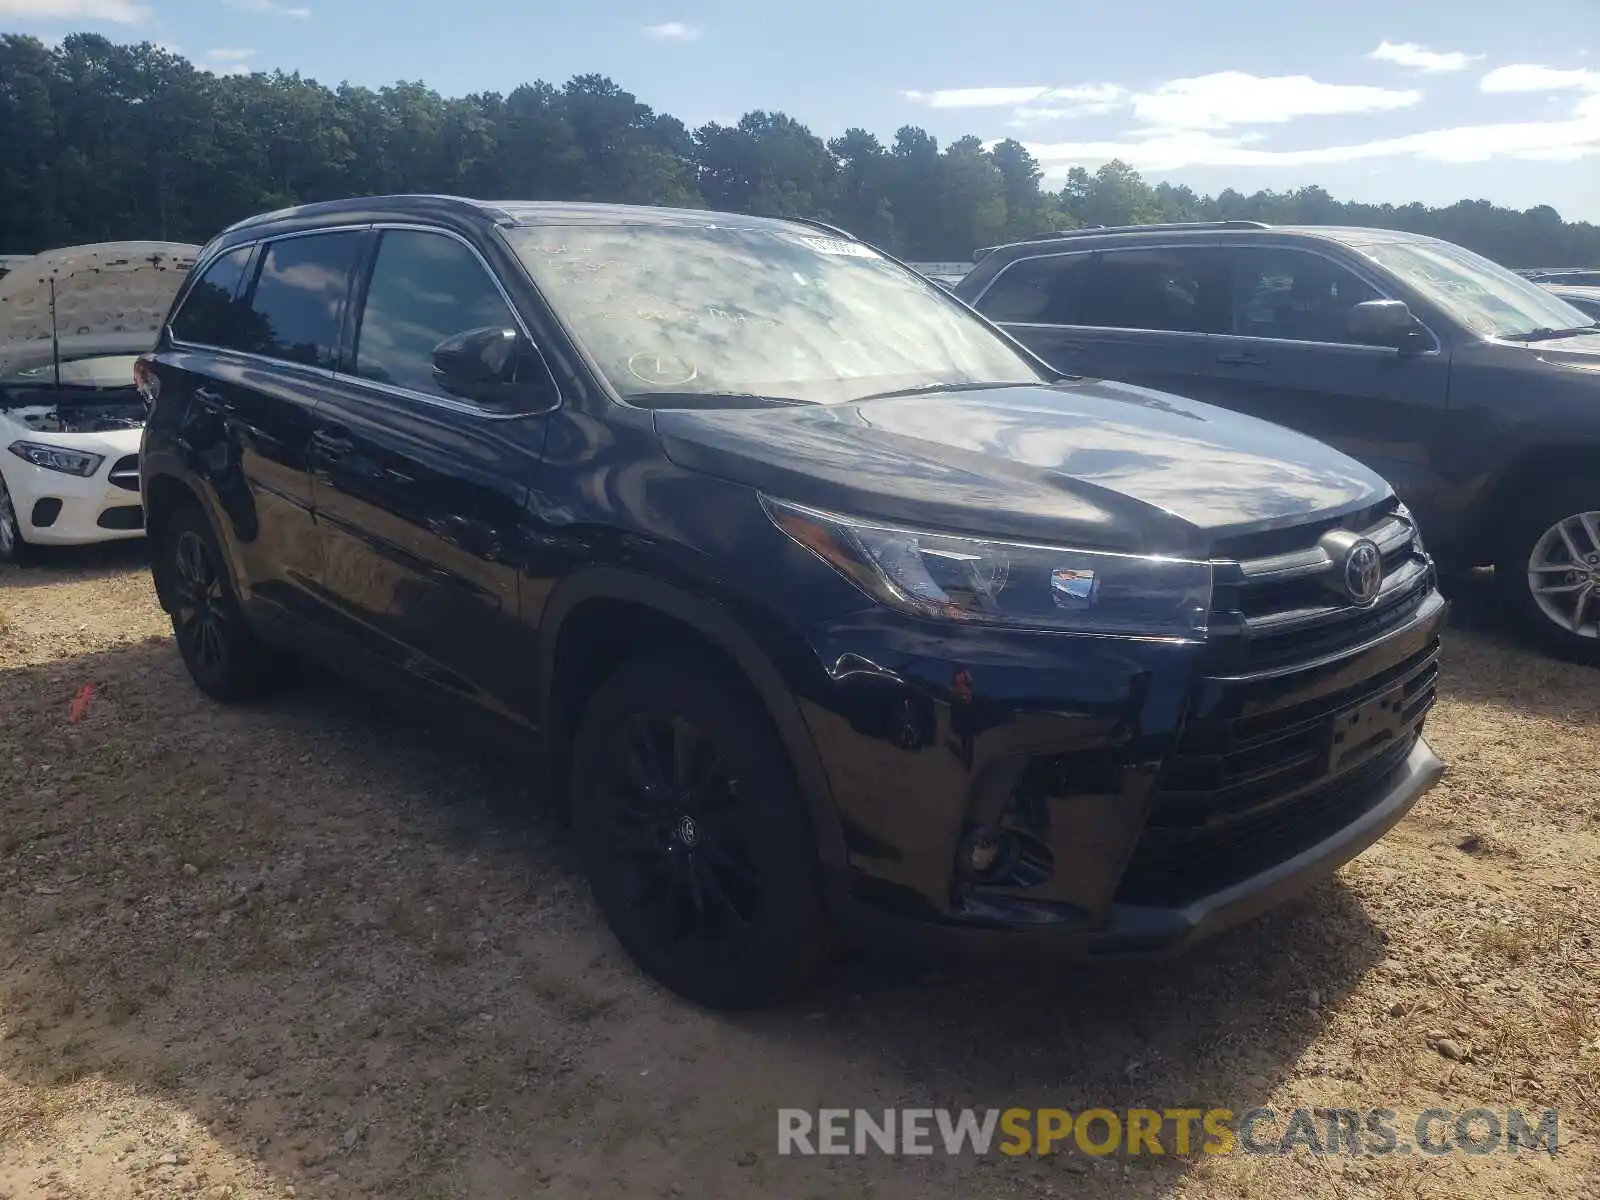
(1179, 1131)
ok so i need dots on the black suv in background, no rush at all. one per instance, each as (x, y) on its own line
(1475, 392)
(834, 610)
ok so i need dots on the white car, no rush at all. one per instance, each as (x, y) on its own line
(72, 323)
(69, 449)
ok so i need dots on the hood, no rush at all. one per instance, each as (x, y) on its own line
(103, 288)
(1105, 465)
(1581, 353)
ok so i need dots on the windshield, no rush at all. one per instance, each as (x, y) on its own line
(703, 309)
(110, 371)
(1484, 296)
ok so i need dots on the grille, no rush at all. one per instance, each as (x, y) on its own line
(1305, 704)
(1285, 607)
(125, 473)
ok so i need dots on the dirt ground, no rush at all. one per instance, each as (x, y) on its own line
(305, 949)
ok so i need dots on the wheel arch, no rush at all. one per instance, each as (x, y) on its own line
(164, 495)
(604, 616)
(1534, 470)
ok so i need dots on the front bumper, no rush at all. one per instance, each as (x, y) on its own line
(1131, 932)
(57, 509)
(1155, 797)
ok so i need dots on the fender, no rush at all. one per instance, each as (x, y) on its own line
(714, 623)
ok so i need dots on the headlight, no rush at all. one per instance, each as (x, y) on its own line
(54, 458)
(959, 578)
(1405, 514)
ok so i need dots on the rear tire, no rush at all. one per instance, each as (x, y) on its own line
(225, 660)
(13, 549)
(1548, 571)
(694, 835)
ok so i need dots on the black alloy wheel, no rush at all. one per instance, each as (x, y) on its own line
(694, 836)
(223, 657)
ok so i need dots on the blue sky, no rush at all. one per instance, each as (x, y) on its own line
(1372, 99)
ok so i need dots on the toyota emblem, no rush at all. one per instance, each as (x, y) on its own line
(1363, 572)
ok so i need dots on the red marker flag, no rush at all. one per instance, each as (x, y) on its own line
(80, 704)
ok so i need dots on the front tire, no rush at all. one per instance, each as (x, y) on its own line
(13, 549)
(224, 658)
(1548, 572)
(694, 836)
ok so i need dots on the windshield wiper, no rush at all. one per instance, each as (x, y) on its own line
(930, 389)
(712, 400)
(1545, 333)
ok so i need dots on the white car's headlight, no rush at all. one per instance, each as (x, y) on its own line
(55, 458)
(956, 577)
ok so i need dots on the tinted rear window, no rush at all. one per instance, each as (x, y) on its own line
(208, 316)
(298, 299)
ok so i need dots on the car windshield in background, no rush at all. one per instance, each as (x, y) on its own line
(706, 310)
(110, 371)
(1482, 295)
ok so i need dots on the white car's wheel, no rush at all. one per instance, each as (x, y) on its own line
(12, 547)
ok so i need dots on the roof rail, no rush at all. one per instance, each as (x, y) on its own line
(1097, 230)
(824, 226)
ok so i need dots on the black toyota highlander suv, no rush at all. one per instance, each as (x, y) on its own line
(1475, 392)
(832, 610)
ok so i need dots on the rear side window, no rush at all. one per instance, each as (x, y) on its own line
(1041, 291)
(298, 300)
(425, 287)
(1179, 289)
(209, 313)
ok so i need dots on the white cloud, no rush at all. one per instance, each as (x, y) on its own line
(119, 12)
(1227, 98)
(1525, 77)
(671, 31)
(1420, 58)
(270, 8)
(224, 55)
(1216, 101)
(1080, 98)
(1566, 140)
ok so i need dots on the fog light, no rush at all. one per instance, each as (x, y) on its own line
(987, 851)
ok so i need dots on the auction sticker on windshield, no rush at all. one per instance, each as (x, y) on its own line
(838, 246)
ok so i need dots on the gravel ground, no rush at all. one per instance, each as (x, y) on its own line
(304, 948)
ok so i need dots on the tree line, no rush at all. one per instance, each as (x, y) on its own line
(105, 141)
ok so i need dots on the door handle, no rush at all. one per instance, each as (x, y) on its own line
(210, 398)
(397, 476)
(1241, 360)
(330, 445)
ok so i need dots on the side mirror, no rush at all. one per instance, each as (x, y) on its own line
(493, 366)
(1386, 323)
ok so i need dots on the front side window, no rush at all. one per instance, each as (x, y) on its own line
(209, 314)
(1040, 291)
(1295, 296)
(1173, 289)
(711, 309)
(298, 300)
(1484, 296)
(425, 287)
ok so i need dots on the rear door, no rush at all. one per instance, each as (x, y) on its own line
(254, 345)
(420, 494)
(1139, 314)
(1288, 357)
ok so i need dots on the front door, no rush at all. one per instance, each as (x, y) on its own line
(1288, 357)
(420, 495)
